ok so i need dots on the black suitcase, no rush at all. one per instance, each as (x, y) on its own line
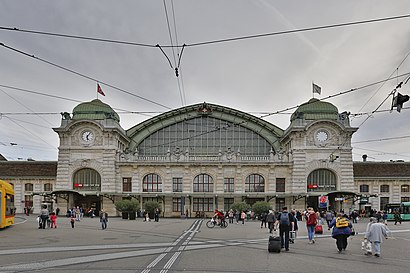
(274, 244)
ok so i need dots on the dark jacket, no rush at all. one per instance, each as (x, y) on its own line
(338, 231)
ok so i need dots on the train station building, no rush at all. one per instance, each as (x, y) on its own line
(203, 157)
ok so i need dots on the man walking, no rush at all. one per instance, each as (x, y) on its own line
(286, 224)
(375, 233)
(103, 219)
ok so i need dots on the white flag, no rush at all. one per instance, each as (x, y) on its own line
(316, 88)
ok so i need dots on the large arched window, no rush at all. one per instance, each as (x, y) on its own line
(152, 183)
(204, 136)
(321, 180)
(255, 183)
(87, 180)
(203, 183)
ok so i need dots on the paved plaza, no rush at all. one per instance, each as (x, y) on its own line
(186, 245)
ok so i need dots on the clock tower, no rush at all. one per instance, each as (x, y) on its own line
(90, 141)
(319, 143)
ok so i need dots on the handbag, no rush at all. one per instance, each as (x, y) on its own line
(353, 232)
(366, 246)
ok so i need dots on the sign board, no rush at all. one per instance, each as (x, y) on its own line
(339, 198)
(323, 201)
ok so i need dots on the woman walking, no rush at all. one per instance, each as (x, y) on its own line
(342, 229)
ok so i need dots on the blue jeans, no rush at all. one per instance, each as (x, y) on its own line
(376, 247)
(311, 232)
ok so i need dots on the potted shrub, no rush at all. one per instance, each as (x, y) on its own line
(150, 207)
(128, 208)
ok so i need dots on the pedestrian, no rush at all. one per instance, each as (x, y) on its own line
(311, 222)
(397, 217)
(72, 220)
(156, 214)
(292, 235)
(263, 219)
(329, 217)
(243, 216)
(231, 215)
(103, 219)
(44, 216)
(375, 233)
(271, 219)
(342, 229)
(57, 211)
(384, 216)
(53, 219)
(286, 224)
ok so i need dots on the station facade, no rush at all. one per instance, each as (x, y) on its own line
(203, 157)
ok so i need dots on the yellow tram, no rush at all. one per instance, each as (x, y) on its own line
(6, 204)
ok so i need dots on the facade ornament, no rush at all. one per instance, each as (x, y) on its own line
(229, 154)
(177, 153)
(65, 115)
(204, 109)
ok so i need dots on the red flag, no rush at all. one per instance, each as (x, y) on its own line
(99, 90)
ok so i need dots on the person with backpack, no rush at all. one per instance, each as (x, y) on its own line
(286, 224)
(342, 229)
(311, 222)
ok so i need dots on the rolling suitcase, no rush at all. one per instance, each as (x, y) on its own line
(274, 244)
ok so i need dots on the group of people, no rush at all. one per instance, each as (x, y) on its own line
(340, 224)
(49, 219)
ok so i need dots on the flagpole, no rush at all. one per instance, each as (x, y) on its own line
(313, 90)
(97, 90)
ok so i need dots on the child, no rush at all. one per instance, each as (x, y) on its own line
(53, 219)
(72, 220)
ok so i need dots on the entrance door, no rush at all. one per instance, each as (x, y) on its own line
(88, 202)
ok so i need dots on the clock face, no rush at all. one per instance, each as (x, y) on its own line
(88, 136)
(322, 136)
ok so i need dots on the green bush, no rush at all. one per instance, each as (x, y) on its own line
(240, 206)
(150, 207)
(127, 205)
(261, 206)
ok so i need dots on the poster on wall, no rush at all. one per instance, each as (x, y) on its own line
(323, 202)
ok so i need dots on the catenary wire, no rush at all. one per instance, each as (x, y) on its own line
(211, 41)
(82, 75)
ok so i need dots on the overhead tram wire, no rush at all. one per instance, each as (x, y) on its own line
(83, 75)
(211, 41)
(336, 95)
(380, 87)
(176, 64)
(68, 99)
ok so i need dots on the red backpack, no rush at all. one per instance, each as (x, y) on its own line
(311, 219)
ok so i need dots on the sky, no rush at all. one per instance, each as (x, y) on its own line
(257, 75)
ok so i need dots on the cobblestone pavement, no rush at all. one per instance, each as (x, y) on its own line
(186, 245)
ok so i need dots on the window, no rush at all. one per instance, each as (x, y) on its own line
(203, 183)
(383, 202)
(228, 202)
(384, 188)
(405, 188)
(364, 188)
(127, 184)
(28, 201)
(199, 137)
(255, 183)
(405, 199)
(321, 180)
(152, 183)
(280, 203)
(229, 185)
(28, 187)
(280, 184)
(177, 184)
(87, 179)
(48, 187)
(177, 204)
(203, 204)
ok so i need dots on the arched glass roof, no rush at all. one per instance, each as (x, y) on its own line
(204, 129)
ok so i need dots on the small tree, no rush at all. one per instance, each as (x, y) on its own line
(127, 207)
(150, 207)
(240, 206)
(261, 206)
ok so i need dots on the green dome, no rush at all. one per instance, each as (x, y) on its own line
(96, 110)
(315, 109)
